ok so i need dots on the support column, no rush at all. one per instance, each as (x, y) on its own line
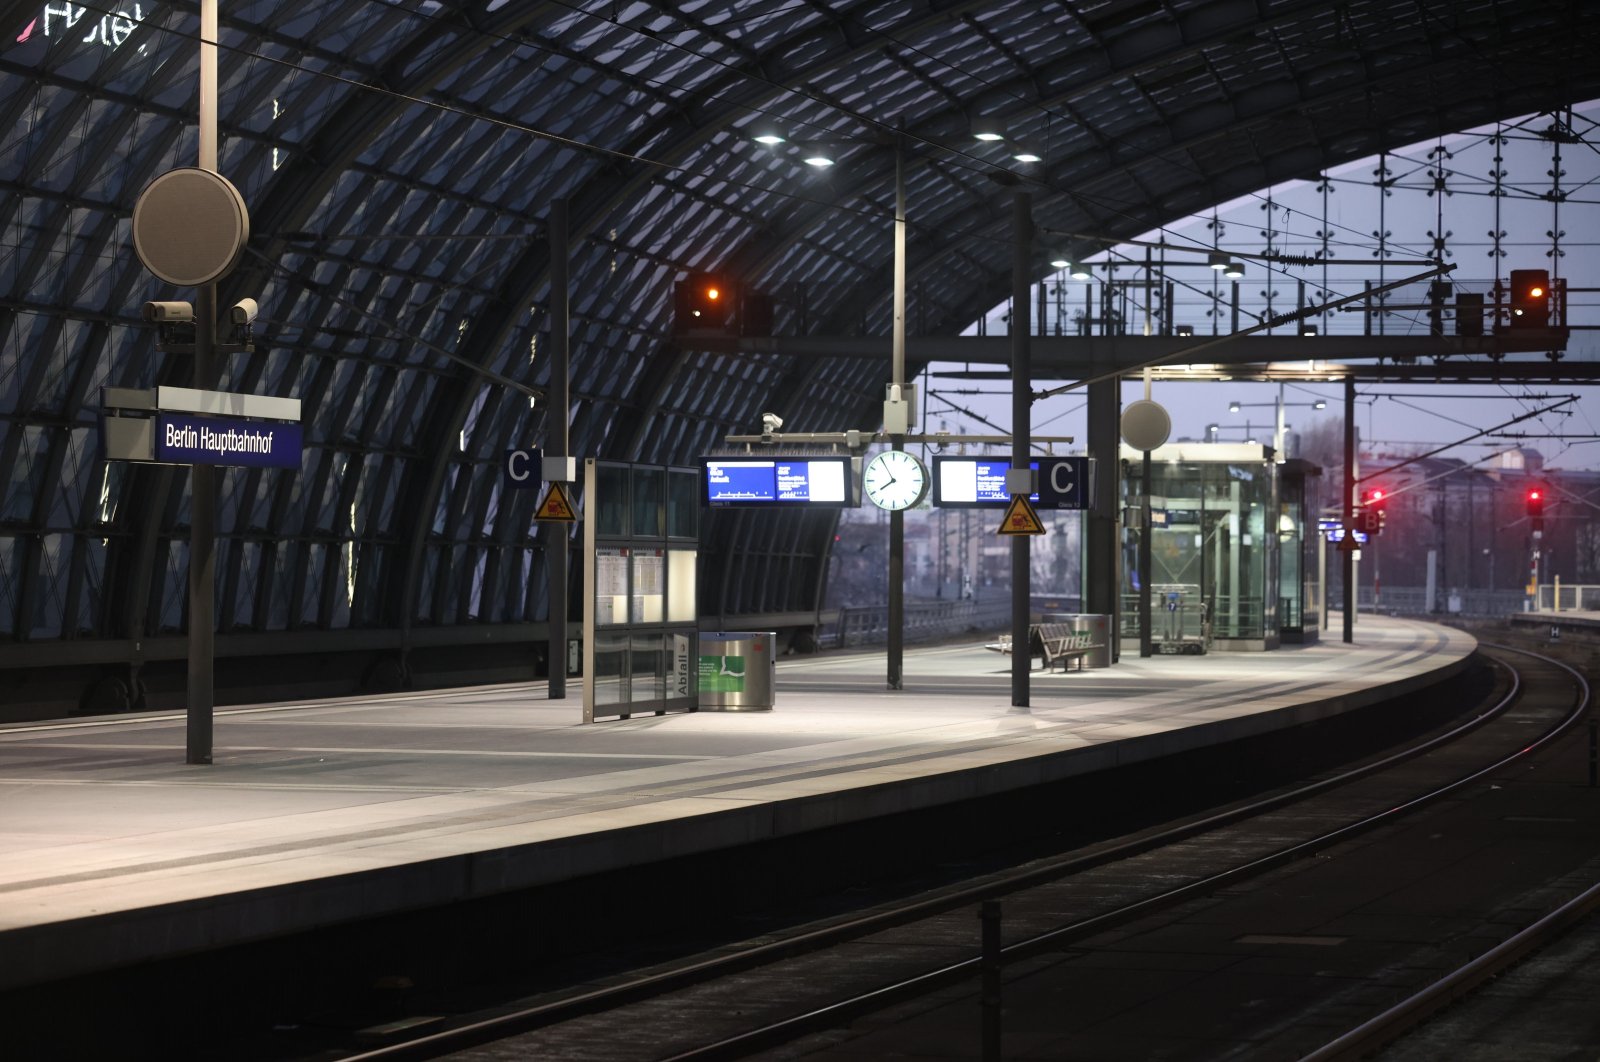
(557, 444)
(1146, 561)
(897, 518)
(203, 478)
(1347, 552)
(202, 551)
(1021, 438)
(1101, 557)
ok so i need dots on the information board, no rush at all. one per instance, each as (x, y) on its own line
(751, 481)
(610, 586)
(973, 482)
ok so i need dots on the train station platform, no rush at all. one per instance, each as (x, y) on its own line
(114, 851)
(1570, 619)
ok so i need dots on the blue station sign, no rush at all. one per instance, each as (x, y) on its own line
(183, 439)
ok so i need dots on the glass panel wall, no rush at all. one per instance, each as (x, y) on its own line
(1299, 583)
(1214, 550)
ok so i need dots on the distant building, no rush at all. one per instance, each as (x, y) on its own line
(1474, 520)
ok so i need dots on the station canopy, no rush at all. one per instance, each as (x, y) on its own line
(400, 161)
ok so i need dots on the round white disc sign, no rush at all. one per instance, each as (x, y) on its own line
(1145, 424)
(189, 226)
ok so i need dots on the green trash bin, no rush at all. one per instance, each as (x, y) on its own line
(736, 670)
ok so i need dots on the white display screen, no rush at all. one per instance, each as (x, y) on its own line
(778, 481)
(973, 482)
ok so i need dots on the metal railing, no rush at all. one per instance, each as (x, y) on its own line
(1413, 601)
(924, 621)
(1569, 597)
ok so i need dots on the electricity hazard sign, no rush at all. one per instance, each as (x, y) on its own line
(1020, 519)
(556, 506)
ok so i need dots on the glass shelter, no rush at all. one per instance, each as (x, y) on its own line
(1301, 554)
(1215, 547)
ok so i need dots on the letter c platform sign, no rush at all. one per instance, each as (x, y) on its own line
(522, 468)
(1063, 483)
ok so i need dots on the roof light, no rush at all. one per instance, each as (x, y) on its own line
(988, 130)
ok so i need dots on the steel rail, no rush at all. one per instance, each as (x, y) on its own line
(841, 1011)
(608, 997)
(1412, 1011)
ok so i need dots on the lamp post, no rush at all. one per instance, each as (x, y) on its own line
(1278, 425)
(896, 408)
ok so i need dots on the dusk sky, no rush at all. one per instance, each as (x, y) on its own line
(1343, 220)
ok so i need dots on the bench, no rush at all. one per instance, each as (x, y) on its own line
(1053, 642)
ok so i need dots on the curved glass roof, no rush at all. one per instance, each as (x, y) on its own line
(400, 160)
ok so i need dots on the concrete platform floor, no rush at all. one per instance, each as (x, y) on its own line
(113, 850)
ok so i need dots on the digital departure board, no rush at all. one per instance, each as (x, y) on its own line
(972, 482)
(754, 481)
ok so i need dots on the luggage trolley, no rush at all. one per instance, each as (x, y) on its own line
(1181, 625)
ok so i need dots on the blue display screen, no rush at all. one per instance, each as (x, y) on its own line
(973, 482)
(757, 481)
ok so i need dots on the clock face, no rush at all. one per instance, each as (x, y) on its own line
(895, 480)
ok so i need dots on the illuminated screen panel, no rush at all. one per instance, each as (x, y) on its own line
(972, 482)
(756, 482)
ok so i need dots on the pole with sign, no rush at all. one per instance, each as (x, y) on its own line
(189, 227)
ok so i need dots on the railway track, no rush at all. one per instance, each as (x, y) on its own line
(910, 972)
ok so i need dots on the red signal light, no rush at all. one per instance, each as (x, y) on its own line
(1530, 298)
(700, 302)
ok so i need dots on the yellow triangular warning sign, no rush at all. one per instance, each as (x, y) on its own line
(555, 506)
(1020, 519)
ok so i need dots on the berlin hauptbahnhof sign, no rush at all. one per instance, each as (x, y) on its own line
(183, 426)
(213, 441)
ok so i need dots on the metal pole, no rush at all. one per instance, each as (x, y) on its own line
(897, 519)
(990, 991)
(1278, 430)
(1347, 553)
(1146, 619)
(202, 478)
(1021, 439)
(557, 444)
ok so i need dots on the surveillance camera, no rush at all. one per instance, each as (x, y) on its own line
(243, 312)
(770, 422)
(168, 312)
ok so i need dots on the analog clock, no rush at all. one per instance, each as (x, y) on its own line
(895, 480)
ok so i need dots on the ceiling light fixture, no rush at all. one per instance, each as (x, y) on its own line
(988, 130)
